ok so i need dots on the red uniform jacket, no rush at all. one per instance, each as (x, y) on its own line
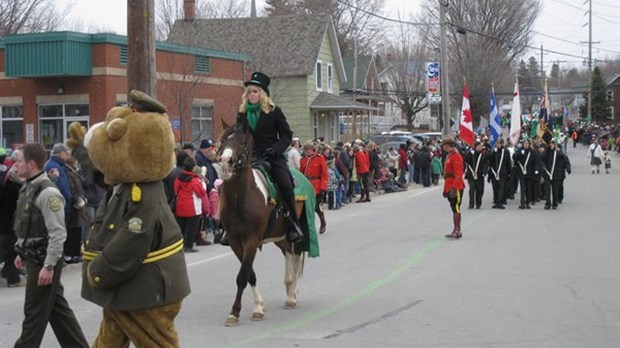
(453, 172)
(315, 169)
(362, 162)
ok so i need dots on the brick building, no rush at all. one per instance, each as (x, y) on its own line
(49, 80)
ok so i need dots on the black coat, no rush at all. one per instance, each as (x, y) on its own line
(475, 162)
(272, 130)
(554, 172)
(503, 167)
(526, 162)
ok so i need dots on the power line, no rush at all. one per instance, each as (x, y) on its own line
(571, 42)
(399, 21)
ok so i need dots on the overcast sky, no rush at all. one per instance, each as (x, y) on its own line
(560, 26)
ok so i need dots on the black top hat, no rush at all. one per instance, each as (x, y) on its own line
(259, 79)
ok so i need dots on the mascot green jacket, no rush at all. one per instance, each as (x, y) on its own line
(135, 244)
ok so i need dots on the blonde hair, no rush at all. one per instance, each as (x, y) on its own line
(266, 104)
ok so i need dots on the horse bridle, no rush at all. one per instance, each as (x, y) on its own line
(239, 162)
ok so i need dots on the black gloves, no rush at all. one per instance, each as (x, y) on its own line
(270, 152)
(452, 194)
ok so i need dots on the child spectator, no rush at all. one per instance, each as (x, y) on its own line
(214, 197)
(333, 181)
(607, 161)
(436, 167)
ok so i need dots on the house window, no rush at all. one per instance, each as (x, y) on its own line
(202, 123)
(12, 125)
(123, 55)
(55, 119)
(315, 125)
(202, 65)
(330, 78)
(611, 113)
(610, 95)
(319, 76)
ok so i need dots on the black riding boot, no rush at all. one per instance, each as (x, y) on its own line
(295, 234)
(323, 226)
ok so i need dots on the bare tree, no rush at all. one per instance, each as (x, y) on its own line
(29, 16)
(169, 11)
(405, 71)
(355, 20)
(484, 39)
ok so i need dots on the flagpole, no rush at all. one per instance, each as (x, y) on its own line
(515, 118)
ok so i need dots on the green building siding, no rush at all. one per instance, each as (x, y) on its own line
(291, 95)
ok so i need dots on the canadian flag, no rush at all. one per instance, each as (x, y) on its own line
(466, 132)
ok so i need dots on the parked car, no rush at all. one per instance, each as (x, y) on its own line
(428, 136)
(400, 138)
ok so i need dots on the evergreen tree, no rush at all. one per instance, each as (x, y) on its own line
(600, 105)
(554, 75)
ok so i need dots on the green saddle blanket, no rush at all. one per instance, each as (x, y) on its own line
(304, 192)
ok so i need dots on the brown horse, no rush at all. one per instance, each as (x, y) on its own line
(245, 210)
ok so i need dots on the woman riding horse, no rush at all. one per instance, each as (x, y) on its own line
(272, 136)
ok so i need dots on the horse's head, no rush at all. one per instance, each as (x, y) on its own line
(235, 151)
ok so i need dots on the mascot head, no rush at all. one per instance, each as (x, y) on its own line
(134, 144)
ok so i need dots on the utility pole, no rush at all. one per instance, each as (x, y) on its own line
(141, 46)
(542, 64)
(445, 82)
(589, 116)
(354, 81)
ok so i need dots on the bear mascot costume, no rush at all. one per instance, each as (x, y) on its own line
(134, 265)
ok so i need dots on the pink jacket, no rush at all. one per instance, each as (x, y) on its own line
(214, 197)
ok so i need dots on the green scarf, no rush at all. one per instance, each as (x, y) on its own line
(253, 113)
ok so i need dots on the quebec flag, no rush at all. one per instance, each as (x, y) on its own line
(495, 120)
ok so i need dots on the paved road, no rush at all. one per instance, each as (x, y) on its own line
(387, 278)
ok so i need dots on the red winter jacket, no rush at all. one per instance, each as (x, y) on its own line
(362, 162)
(189, 192)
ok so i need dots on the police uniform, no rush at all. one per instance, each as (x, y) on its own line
(134, 267)
(39, 216)
(454, 185)
(314, 167)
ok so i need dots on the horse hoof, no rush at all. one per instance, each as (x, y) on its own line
(258, 316)
(290, 305)
(232, 321)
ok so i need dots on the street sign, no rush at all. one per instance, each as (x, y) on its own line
(29, 133)
(433, 82)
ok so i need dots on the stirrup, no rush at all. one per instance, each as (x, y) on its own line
(295, 234)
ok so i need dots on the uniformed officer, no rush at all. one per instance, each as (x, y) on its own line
(475, 169)
(40, 229)
(314, 167)
(454, 183)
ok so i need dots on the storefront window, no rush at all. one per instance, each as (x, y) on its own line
(54, 120)
(11, 126)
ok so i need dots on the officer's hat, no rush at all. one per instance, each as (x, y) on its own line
(143, 102)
